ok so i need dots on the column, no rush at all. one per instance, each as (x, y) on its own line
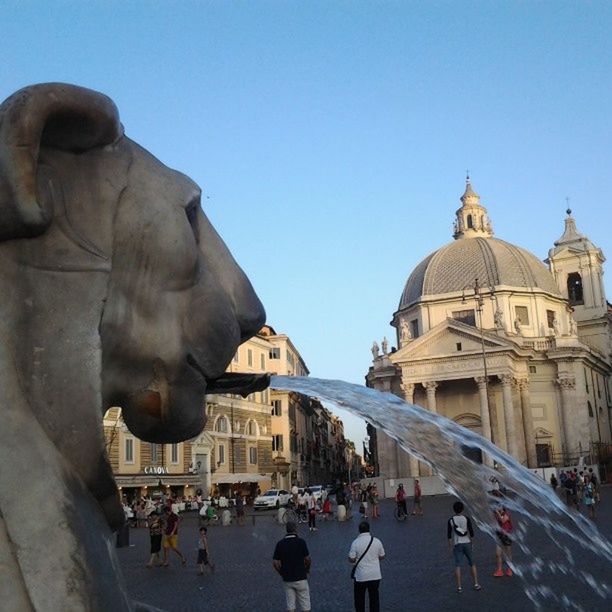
(431, 387)
(567, 385)
(408, 389)
(509, 420)
(530, 442)
(485, 416)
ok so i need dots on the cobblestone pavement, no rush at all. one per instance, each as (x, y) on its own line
(417, 573)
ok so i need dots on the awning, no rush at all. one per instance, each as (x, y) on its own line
(241, 477)
(151, 480)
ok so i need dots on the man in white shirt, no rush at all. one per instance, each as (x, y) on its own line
(366, 553)
(460, 532)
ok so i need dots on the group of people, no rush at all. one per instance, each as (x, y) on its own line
(401, 496)
(291, 559)
(581, 488)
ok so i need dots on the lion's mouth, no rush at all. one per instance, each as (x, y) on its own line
(231, 382)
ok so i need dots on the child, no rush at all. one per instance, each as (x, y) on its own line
(460, 533)
(504, 520)
(203, 552)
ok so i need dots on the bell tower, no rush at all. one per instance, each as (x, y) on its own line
(577, 266)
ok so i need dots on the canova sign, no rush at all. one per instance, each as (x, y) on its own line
(155, 470)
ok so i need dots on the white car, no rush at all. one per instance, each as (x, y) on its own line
(274, 498)
(316, 491)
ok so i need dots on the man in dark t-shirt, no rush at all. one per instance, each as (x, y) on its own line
(292, 561)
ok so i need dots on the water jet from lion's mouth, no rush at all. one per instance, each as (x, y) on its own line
(438, 442)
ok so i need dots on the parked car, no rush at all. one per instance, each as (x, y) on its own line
(316, 491)
(274, 498)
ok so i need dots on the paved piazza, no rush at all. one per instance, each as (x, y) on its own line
(417, 573)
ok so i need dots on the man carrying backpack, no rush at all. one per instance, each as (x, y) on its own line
(460, 533)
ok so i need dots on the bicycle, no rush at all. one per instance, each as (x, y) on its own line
(400, 513)
(290, 515)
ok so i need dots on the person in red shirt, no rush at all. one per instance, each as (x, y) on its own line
(504, 547)
(400, 498)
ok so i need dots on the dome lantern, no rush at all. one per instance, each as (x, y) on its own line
(472, 220)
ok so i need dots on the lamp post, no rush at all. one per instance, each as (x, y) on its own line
(479, 301)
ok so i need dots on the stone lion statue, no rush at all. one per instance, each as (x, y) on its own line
(116, 291)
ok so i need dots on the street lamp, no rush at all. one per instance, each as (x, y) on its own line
(479, 301)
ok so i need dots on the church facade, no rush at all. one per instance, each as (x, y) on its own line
(492, 338)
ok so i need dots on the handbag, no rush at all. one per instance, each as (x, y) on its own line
(354, 568)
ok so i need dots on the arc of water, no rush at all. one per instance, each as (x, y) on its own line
(437, 441)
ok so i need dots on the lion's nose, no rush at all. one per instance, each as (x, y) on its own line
(248, 310)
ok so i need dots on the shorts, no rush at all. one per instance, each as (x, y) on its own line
(171, 541)
(504, 538)
(299, 591)
(155, 544)
(462, 550)
(202, 557)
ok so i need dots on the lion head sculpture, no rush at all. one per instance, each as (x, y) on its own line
(116, 290)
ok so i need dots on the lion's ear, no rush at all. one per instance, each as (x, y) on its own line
(52, 115)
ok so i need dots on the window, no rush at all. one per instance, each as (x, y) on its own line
(598, 389)
(586, 380)
(277, 408)
(469, 221)
(532, 369)
(414, 328)
(465, 316)
(274, 353)
(153, 453)
(129, 450)
(590, 409)
(221, 454)
(277, 442)
(251, 428)
(250, 357)
(458, 346)
(221, 425)
(174, 453)
(253, 455)
(522, 314)
(574, 288)
(262, 361)
(550, 319)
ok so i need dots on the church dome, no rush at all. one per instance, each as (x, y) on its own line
(476, 254)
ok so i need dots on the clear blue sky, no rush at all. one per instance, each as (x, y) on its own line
(332, 138)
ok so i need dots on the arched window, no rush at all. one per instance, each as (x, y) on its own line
(221, 425)
(469, 222)
(251, 428)
(574, 288)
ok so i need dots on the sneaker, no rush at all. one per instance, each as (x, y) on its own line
(508, 572)
(459, 590)
(498, 573)
(477, 587)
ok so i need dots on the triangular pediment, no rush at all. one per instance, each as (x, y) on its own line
(450, 337)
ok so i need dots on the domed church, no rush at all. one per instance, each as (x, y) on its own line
(492, 338)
